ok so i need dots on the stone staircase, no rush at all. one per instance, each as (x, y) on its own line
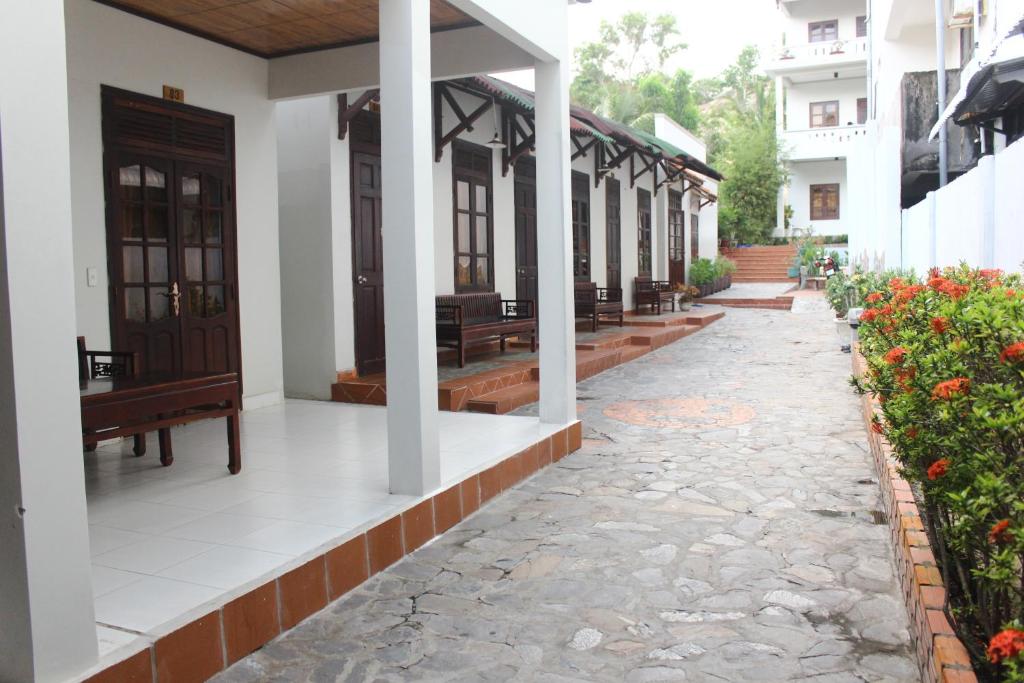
(762, 264)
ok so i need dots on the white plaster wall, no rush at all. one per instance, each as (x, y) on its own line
(799, 97)
(795, 28)
(805, 174)
(108, 46)
(316, 257)
(537, 26)
(707, 244)
(1009, 208)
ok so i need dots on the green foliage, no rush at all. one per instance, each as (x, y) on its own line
(621, 74)
(738, 123)
(946, 360)
(702, 272)
(724, 266)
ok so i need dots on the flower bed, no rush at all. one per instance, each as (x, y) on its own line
(945, 360)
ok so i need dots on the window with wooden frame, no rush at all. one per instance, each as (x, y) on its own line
(862, 27)
(474, 218)
(862, 110)
(580, 226)
(825, 202)
(823, 31)
(825, 114)
(643, 232)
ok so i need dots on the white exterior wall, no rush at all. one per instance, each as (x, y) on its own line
(805, 174)
(976, 218)
(110, 47)
(795, 29)
(799, 97)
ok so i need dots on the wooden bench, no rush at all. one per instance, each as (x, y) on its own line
(592, 302)
(467, 319)
(653, 293)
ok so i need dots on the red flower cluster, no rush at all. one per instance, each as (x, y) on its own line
(896, 355)
(869, 315)
(948, 287)
(938, 469)
(908, 293)
(1005, 645)
(939, 325)
(1000, 533)
(876, 427)
(990, 273)
(950, 388)
(873, 297)
(912, 432)
(1014, 353)
(903, 377)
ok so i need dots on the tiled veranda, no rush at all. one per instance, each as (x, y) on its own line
(170, 544)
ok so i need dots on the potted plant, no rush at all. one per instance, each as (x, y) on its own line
(685, 295)
(726, 267)
(702, 276)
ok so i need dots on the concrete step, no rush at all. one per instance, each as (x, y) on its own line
(504, 401)
(781, 303)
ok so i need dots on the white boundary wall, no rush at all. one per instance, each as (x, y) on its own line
(975, 219)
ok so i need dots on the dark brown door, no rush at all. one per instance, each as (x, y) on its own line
(367, 263)
(171, 233)
(526, 229)
(643, 236)
(694, 237)
(581, 226)
(676, 238)
(613, 234)
(141, 240)
(207, 288)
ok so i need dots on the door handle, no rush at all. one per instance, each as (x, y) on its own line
(174, 294)
(361, 279)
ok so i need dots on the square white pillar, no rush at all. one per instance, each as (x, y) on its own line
(46, 603)
(556, 321)
(414, 461)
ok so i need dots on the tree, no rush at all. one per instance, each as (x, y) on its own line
(738, 123)
(620, 76)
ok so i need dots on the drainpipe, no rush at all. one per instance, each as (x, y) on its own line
(940, 57)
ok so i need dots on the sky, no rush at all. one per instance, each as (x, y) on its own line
(714, 30)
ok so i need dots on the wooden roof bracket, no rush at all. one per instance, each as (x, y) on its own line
(442, 139)
(633, 175)
(517, 141)
(581, 150)
(346, 112)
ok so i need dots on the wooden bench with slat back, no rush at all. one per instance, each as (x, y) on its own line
(593, 302)
(466, 319)
(653, 293)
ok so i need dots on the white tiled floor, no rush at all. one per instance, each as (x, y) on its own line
(167, 541)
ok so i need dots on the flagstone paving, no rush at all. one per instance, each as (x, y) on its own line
(716, 526)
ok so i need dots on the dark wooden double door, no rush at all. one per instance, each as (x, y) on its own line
(525, 202)
(171, 250)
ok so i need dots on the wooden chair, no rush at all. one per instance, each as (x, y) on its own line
(466, 319)
(592, 302)
(117, 364)
(653, 293)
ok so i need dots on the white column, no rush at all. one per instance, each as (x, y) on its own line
(987, 210)
(554, 246)
(780, 127)
(48, 630)
(414, 463)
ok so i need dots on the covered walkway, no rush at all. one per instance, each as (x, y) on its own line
(718, 525)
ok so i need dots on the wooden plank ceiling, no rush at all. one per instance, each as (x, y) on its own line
(272, 28)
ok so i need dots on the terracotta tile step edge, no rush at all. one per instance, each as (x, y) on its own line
(203, 647)
(941, 656)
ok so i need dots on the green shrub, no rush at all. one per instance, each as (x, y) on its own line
(702, 272)
(724, 266)
(946, 360)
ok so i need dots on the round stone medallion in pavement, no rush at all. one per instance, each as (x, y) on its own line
(681, 413)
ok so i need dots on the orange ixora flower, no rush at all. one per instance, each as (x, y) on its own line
(912, 432)
(957, 386)
(954, 290)
(990, 273)
(908, 293)
(1006, 644)
(1014, 353)
(937, 282)
(1000, 532)
(897, 283)
(873, 297)
(869, 315)
(939, 325)
(896, 355)
(938, 469)
(876, 427)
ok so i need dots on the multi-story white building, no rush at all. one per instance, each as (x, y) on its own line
(820, 71)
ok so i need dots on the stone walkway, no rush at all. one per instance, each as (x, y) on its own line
(716, 526)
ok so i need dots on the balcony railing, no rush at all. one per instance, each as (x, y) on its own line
(821, 143)
(795, 56)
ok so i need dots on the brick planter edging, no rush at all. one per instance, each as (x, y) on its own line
(941, 656)
(202, 648)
